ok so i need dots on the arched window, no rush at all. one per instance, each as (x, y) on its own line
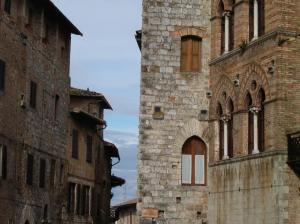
(190, 59)
(221, 12)
(230, 109)
(221, 131)
(256, 18)
(250, 124)
(227, 28)
(231, 27)
(261, 121)
(193, 170)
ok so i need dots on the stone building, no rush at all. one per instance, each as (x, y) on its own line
(126, 212)
(89, 157)
(174, 112)
(219, 113)
(35, 40)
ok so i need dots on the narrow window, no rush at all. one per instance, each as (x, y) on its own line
(2, 75)
(79, 189)
(231, 31)
(89, 149)
(75, 144)
(29, 18)
(71, 198)
(56, 105)
(3, 162)
(250, 124)
(83, 200)
(42, 173)
(33, 93)
(221, 131)
(230, 129)
(251, 19)
(261, 17)
(256, 18)
(52, 172)
(261, 121)
(194, 162)
(7, 6)
(190, 60)
(45, 215)
(29, 176)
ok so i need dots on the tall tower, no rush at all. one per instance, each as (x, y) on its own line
(173, 140)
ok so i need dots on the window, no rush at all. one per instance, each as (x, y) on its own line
(75, 144)
(89, 149)
(256, 18)
(230, 108)
(194, 162)
(250, 124)
(61, 173)
(2, 75)
(3, 162)
(56, 105)
(190, 60)
(45, 215)
(29, 176)
(42, 173)
(221, 131)
(52, 172)
(85, 200)
(29, 18)
(261, 121)
(33, 92)
(78, 197)
(7, 6)
(71, 197)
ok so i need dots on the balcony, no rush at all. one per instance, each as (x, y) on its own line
(294, 151)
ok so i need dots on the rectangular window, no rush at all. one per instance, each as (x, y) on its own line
(42, 173)
(78, 199)
(33, 93)
(199, 169)
(89, 149)
(190, 60)
(52, 172)
(75, 144)
(186, 169)
(29, 176)
(7, 6)
(56, 105)
(3, 162)
(2, 75)
(71, 197)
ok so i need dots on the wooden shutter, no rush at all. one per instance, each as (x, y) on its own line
(186, 169)
(261, 17)
(33, 92)
(7, 6)
(184, 54)
(89, 148)
(75, 144)
(250, 133)
(2, 75)
(196, 48)
(199, 169)
(29, 176)
(42, 173)
(251, 19)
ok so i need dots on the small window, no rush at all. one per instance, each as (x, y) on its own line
(3, 162)
(89, 149)
(52, 172)
(75, 144)
(29, 176)
(33, 93)
(194, 162)
(190, 60)
(42, 173)
(56, 105)
(2, 75)
(7, 6)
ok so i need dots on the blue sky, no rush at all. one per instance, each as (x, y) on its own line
(107, 60)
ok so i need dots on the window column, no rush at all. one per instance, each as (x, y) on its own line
(255, 111)
(255, 9)
(227, 23)
(225, 120)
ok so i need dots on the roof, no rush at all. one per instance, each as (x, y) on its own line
(80, 114)
(116, 181)
(111, 149)
(90, 94)
(128, 203)
(51, 8)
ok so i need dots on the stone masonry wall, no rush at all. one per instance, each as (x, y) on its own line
(181, 97)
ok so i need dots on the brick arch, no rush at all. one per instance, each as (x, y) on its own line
(254, 72)
(228, 4)
(224, 85)
(192, 127)
(189, 31)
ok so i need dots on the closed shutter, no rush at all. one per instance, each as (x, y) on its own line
(184, 54)
(75, 144)
(89, 147)
(199, 169)
(251, 19)
(2, 75)
(42, 173)
(29, 176)
(196, 55)
(186, 169)
(33, 92)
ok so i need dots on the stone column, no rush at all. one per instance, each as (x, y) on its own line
(227, 18)
(75, 198)
(255, 34)
(255, 111)
(225, 120)
(90, 201)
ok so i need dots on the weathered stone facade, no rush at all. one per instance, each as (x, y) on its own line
(170, 110)
(33, 123)
(257, 75)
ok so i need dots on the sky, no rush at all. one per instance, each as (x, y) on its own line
(106, 59)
